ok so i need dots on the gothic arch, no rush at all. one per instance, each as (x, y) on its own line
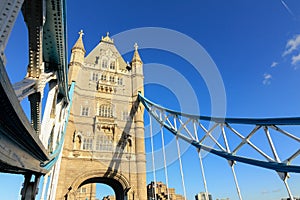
(115, 180)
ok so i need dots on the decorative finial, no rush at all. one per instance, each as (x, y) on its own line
(81, 33)
(107, 34)
(136, 46)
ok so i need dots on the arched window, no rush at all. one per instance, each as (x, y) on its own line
(87, 143)
(104, 143)
(103, 77)
(84, 111)
(112, 65)
(106, 111)
(95, 76)
(104, 64)
(120, 81)
(112, 79)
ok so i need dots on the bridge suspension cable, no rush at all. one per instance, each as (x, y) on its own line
(180, 167)
(201, 165)
(225, 127)
(153, 158)
(165, 160)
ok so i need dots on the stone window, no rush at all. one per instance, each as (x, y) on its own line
(84, 111)
(95, 76)
(112, 65)
(104, 64)
(112, 79)
(103, 77)
(124, 116)
(87, 144)
(106, 111)
(104, 143)
(120, 81)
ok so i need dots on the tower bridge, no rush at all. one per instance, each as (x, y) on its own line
(92, 129)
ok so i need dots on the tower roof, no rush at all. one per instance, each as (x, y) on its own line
(136, 56)
(105, 48)
(107, 39)
(79, 42)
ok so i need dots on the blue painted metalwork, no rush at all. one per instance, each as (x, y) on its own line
(15, 126)
(277, 166)
(262, 121)
(54, 42)
(54, 156)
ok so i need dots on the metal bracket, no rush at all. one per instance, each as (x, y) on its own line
(29, 86)
(30, 188)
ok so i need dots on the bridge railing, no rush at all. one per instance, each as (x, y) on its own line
(257, 142)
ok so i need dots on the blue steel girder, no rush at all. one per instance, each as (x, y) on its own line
(54, 42)
(46, 19)
(157, 111)
(20, 147)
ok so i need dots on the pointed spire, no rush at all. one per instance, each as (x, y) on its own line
(136, 56)
(79, 42)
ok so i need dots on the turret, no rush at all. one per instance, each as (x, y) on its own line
(77, 58)
(137, 72)
(136, 61)
(138, 86)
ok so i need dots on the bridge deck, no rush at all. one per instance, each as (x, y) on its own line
(20, 147)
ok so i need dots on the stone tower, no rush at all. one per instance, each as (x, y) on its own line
(104, 140)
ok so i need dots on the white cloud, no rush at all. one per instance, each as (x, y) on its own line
(267, 79)
(295, 59)
(274, 64)
(292, 45)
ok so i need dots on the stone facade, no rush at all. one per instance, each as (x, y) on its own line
(87, 191)
(104, 140)
(160, 190)
(202, 196)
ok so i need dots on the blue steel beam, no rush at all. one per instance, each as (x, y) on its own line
(21, 149)
(54, 156)
(54, 43)
(277, 166)
(253, 121)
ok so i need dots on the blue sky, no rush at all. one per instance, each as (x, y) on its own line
(254, 44)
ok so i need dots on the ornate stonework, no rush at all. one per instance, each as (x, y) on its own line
(105, 134)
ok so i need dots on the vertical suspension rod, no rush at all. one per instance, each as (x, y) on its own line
(180, 166)
(231, 163)
(153, 159)
(236, 181)
(164, 155)
(201, 164)
(179, 158)
(288, 189)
